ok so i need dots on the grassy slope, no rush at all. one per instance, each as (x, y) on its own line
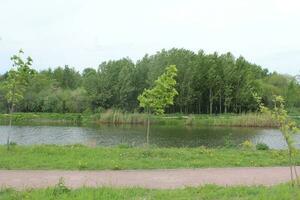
(79, 157)
(281, 192)
(41, 118)
(243, 120)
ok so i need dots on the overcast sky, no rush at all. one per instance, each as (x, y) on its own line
(83, 33)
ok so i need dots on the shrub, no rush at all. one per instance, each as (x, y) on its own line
(262, 146)
(12, 143)
(247, 144)
(60, 188)
(124, 146)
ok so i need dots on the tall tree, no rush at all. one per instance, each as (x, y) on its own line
(206, 83)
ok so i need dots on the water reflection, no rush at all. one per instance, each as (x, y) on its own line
(161, 136)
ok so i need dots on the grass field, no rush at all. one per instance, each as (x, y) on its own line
(87, 158)
(209, 192)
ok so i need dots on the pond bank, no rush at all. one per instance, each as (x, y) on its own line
(116, 117)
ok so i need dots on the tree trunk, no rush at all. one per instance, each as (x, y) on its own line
(220, 104)
(199, 107)
(291, 168)
(11, 110)
(148, 129)
(296, 174)
(210, 101)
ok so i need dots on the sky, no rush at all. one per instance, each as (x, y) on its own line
(84, 33)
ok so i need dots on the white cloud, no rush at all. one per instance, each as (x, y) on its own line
(83, 33)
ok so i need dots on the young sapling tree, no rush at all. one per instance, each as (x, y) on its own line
(155, 100)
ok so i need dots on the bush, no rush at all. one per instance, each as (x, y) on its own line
(247, 144)
(12, 143)
(60, 188)
(124, 146)
(262, 146)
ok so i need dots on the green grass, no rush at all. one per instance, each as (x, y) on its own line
(209, 192)
(42, 118)
(117, 117)
(87, 158)
(234, 120)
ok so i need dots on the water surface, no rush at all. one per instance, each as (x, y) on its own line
(161, 136)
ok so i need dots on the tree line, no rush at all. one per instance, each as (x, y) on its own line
(206, 83)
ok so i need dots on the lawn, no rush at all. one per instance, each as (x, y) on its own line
(86, 158)
(209, 192)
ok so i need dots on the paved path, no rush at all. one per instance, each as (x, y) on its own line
(173, 178)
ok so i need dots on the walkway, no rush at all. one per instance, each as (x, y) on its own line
(170, 178)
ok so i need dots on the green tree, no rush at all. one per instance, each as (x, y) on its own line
(67, 77)
(206, 83)
(16, 82)
(155, 100)
(293, 94)
(38, 88)
(288, 128)
(212, 80)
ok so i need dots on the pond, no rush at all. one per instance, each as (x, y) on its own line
(160, 136)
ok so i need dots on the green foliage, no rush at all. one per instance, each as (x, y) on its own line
(247, 144)
(67, 78)
(206, 84)
(262, 146)
(17, 80)
(60, 188)
(288, 127)
(162, 94)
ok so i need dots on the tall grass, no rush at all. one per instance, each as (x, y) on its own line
(41, 118)
(241, 120)
(120, 117)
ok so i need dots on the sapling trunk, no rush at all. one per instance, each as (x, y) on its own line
(291, 168)
(296, 175)
(10, 124)
(148, 128)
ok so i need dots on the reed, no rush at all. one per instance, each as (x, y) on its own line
(119, 117)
